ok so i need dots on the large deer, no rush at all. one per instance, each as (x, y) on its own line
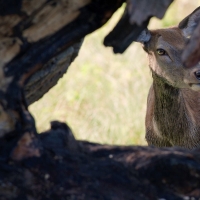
(173, 105)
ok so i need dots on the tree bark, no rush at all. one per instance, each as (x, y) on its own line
(33, 34)
(47, 77)
(71, 169)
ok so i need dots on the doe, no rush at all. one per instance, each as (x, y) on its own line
(173, 104)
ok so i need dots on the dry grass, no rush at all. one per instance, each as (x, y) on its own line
(103, 96)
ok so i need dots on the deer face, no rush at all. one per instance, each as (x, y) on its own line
(165, 47)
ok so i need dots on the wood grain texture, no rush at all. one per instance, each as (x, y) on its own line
(47, 77)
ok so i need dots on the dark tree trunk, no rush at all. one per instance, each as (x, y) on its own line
(45, 78)
(36, 39)
(71, 169)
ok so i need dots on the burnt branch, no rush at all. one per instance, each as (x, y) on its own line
(124, 34)
(134, 20)
(140, 11)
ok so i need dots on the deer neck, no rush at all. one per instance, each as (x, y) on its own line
(166, 96)
(169, 108)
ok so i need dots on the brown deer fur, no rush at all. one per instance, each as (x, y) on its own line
(173, 105)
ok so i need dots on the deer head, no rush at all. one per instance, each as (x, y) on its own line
(165, 46)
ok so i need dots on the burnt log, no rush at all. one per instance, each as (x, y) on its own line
(72, 169)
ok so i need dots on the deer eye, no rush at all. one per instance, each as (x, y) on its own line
(161, 52)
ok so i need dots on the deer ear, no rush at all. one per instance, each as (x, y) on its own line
(144, 36)
(188, 24)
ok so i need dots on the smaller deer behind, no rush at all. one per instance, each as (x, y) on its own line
(173, 104)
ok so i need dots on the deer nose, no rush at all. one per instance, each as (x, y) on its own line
(197, 74)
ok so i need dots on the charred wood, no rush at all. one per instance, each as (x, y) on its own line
(47, 77)
(134, 20)
(72, 169)
(33, 35)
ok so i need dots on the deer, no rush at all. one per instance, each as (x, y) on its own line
(173, 102)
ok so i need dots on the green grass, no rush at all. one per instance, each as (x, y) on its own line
(103, 96)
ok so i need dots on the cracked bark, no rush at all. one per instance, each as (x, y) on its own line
(37, 36)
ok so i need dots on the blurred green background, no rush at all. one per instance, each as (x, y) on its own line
(103, 96)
